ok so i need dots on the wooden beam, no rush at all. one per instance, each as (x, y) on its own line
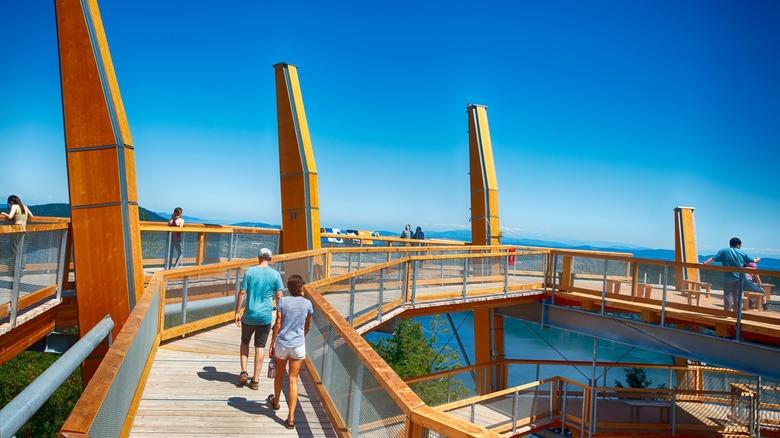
(297, 169)
(23, 336)
(101, 173)
(485, 228)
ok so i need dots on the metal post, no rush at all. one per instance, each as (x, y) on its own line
(238, 281)
(563, 407)
(473, 408)
(17, 279)
(349, 262)
(663, 295)
(184, 288)
(514, 412)
(168, 252)
(592, 426)
(738, 305)
(381, 294)
(230, 248)
(604, 288)
(402, 280)
(351, 300)
(414, 282)
(360, 257)
(449, 386)
(545, 272)
(506, 276)
(61, 262)
(555, 274)
(465, 277)
(674, 413)
(758, 405)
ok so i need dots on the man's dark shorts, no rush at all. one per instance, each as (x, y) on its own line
(260, 332)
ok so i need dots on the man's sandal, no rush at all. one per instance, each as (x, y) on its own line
(254, 385)
(290, 424)
(271, 400)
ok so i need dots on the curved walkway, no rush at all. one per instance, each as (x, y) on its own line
(191, 392)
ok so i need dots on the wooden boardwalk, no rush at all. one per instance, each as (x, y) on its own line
(191, 392)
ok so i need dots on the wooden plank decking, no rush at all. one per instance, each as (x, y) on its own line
(191, 392)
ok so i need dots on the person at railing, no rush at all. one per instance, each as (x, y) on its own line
(19, 214)
(260, 285)
(735, 257)
(176, 221)
(755, 278)
(406, 233)
(419, 235)
(288, 344)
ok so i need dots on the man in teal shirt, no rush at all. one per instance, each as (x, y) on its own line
(261, 284)
(735, 257)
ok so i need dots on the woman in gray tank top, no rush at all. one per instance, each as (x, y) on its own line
(288, 344)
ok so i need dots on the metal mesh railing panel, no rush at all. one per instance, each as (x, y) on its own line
(114, 409)
(40, 253)
(247, 246)
(204, 295)
(361, 402)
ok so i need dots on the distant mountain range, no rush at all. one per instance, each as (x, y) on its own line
(63, 210)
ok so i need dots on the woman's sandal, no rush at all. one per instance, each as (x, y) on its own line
(290, 424)
(274, 406)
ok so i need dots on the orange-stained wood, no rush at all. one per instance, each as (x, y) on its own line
(101, 173)
(482, 349)
(485, 228)
(297, 169)
(26, 334)
(685, 250)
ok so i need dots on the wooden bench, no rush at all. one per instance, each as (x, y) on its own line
(697, 286)
(636, 405)
(692, 294)
(643, 290)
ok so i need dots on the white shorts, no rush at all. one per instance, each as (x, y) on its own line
(284, 353)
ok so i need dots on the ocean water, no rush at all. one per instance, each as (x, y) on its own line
(524, 340)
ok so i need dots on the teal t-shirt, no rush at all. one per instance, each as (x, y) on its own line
(260, 283)
(732, 257)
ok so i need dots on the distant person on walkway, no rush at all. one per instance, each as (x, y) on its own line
(733, 256)
(293, 320)
(419, 235)
(175, 221)
(19, 214)
(261, 284)
(406, 233)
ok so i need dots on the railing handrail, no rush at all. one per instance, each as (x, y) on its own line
(19, 410)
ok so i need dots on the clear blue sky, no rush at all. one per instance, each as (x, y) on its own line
(604, 115)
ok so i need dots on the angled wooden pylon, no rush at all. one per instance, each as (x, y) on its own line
(485, 227)
(685, 250)
(101, 174)
(485, 230)
(297, 170)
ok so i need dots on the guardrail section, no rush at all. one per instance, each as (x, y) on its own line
(32, 266)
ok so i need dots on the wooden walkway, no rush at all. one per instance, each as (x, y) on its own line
(191, 392)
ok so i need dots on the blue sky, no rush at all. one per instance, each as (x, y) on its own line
(604, 115)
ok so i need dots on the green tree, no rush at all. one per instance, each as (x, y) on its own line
(410, 354)
(636, 378)
(19, 372)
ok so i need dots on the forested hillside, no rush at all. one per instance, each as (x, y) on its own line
(63, 210)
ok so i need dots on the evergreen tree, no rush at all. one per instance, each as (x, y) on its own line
(410, 354)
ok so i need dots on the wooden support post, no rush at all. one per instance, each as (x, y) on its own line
(297, 170)
(566, 278)
(685, 246)
(101, 174)
(482, 349)
(502, 371)
(485, 227)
